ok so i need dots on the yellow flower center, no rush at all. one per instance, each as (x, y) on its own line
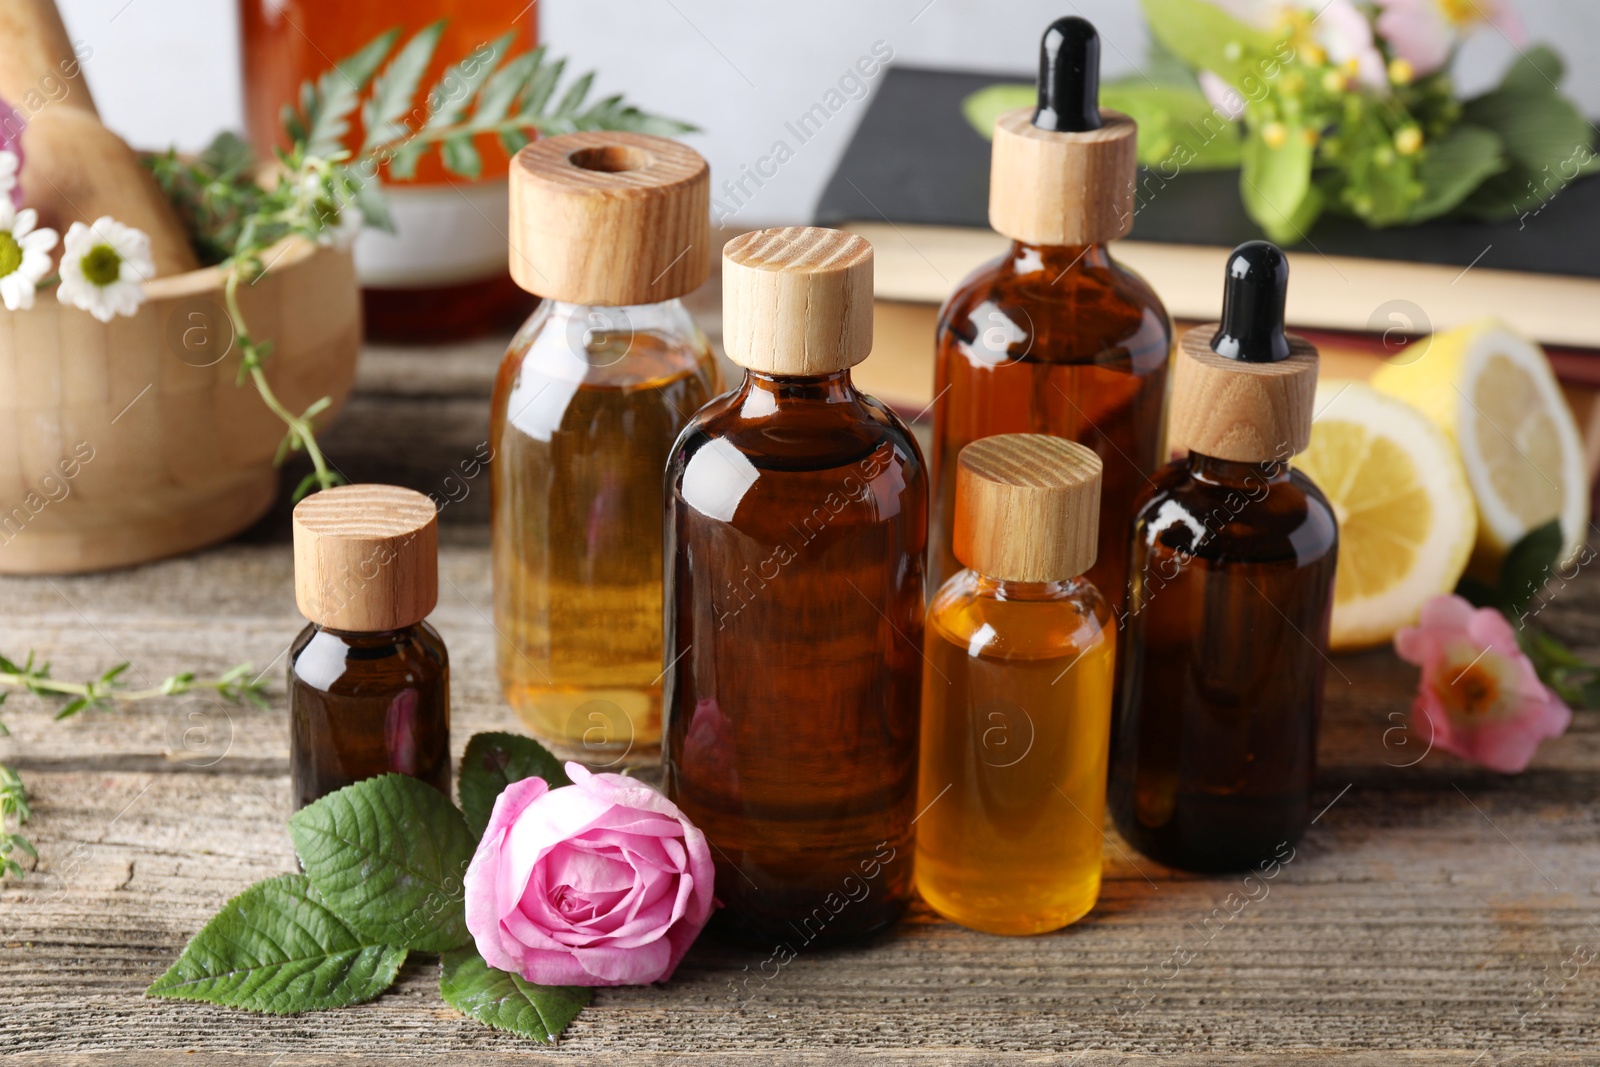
(1462, 12)
(1473, 694)
(102, 265)
(10, 254)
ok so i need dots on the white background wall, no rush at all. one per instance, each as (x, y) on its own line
(167, 71)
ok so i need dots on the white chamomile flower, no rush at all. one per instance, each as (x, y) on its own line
(104, 267)
(9, 165)
(337, 218)
(24, 254)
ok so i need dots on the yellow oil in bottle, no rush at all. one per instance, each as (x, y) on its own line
(587, 406)
(1015, 732)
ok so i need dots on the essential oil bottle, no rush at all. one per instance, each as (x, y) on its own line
(369, 680)
(796, 526)
(610, 229)
(1054, 336)
(1016, 694)
(1215, 742)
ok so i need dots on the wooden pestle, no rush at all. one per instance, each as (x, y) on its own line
(76, 170)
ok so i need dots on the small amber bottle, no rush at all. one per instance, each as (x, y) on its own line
(611, 229)
(369, 680)
(1215, 741)
(1054, 336)
(796, 525)
(1016, 694)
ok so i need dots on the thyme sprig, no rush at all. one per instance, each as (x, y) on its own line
(322, 190)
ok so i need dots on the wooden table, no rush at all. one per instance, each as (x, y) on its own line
(1432, 907)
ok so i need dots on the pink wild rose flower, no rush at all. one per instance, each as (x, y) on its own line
(1425, 32)
(1479, 695)
(602, 882)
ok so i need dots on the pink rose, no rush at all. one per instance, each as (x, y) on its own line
(1479, 694)
(602, 882)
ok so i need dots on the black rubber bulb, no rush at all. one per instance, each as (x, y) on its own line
(1069, 77)
(1253, 297)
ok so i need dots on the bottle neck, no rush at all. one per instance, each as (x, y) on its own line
(764, 390)
(1235, 474)
(369, 637)
(1003, 589)
(1058, 260)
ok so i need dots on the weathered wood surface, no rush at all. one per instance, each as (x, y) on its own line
(1433, 907)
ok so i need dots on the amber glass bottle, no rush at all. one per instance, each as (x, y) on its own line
(796, 526)
(1016, 694)
(1054, 337)
(611, 228)
(369, 680)
(443, 274)
(1227, 627)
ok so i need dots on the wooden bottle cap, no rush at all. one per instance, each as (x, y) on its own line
(797, 300)
(1027, 507)
(366, 557)
(1243, 389)
(1061, 188)
(610, 218)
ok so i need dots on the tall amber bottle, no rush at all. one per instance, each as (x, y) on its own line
(1054, 336)
(1227, 632)
(796, 526)
(1016, 694)
(610, 228)
(369, 679)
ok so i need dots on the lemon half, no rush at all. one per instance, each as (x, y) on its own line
(1493, 392)
(1406, 518)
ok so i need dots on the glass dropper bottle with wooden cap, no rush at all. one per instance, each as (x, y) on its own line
(369, 679)
(1055, 336)
(610, 229)
(796, 526)
(1234, 552)
(1016, 694)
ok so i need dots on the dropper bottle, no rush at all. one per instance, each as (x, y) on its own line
(1054, 336)
(1232, 565)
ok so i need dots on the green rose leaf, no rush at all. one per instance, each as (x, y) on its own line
(505, 1001)
(495, 760)
(388, 855)
(1453, 166)
(1178, 127)
(274, 948)
(1275, 184)
(1207, 38)
(1527, 566)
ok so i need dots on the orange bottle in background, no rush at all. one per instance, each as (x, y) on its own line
(444, 273)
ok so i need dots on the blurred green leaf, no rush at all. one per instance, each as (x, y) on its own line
(1207, 38)
(1276, 185)
(1453, 166)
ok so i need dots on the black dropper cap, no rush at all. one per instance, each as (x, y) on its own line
(1069, 77)
(1253, 297)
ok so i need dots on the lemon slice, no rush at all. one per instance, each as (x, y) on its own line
(1493, 392)
(1406, 520)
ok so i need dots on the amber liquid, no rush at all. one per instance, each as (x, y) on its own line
(362, 705)
(582, 424)
(287, 42)
(1060, 341)
(796, 525)
(1215, 743)
(1016, 720)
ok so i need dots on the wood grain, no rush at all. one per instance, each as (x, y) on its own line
(611, 218)
(1425, 919)
(1049, 187)
(797, 300)
(1238, 411)
(366, 557)
(1027, 507)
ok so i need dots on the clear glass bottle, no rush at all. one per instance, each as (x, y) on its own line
(796, 527)
(1054, 336)
(369, 680)
(586, 407)
(1215, 743)
(1016, 696)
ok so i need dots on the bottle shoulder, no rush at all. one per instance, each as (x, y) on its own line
(1013, 309)
(624, 347)
(332, 660)
(1254, 519)
(965, 615)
